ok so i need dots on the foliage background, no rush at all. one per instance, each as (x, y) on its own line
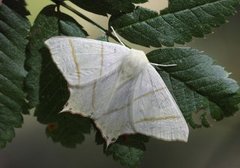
(207, 148)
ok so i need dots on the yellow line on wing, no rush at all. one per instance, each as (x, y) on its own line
(149, 93)
(102, 56)
(95, 83)
(74, 56)
(152, 119)
(94, 95)
(137, 98)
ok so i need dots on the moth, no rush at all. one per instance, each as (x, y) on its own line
(118, 88)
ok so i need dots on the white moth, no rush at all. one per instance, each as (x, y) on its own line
(118, 88)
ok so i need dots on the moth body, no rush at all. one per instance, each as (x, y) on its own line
(132, 65)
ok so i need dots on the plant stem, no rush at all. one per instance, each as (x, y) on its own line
(108, 33)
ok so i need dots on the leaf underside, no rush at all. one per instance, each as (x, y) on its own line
(13, 33)
(148, 28)
(197, 83)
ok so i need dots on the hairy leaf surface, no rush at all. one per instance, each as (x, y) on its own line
(197, 83)
(148, 28)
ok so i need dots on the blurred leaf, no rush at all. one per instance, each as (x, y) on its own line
(103, 7)
(177, 5)
(102, 38)
(69, 27)
(48, 23)
(128, 150)
(98, 138)
(13, 33)
(69, 129)
(46, 86)
(148, 28)
(18, 6)
(139, 1)
(197, 83)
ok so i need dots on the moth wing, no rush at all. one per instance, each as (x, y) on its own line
(116, 119)
(84, 60)
(155, 112)
(91, 69)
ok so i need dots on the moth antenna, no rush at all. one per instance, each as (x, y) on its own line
(115, 34)
(163, 65)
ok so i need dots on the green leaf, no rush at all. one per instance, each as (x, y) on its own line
(13, 33)
(103, 7)
(128, 150)
(46, 86)
(177, 5)
(69, 129)
(18, 6)
(139, 1)
(48, 23)
(148, 28)
(197, 83)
